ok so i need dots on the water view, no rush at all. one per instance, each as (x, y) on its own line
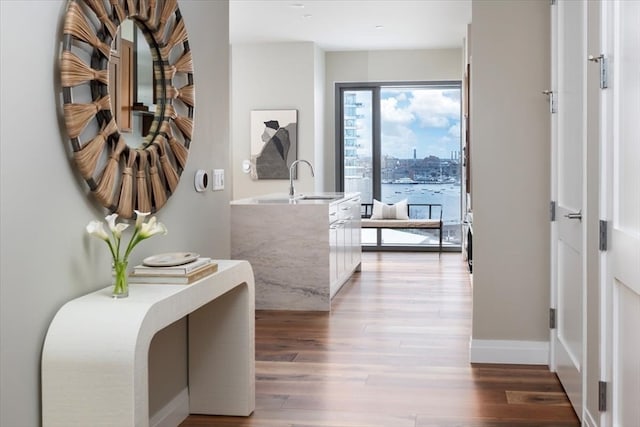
(448, 195)
(409, 136)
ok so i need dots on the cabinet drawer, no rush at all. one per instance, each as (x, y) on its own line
(344, 210)
(333, 213)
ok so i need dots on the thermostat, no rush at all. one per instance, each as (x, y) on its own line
(201, 180)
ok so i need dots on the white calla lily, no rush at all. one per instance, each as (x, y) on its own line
(119, 229)
(116, 229)
(111, 220)
(143, 230)
(96, 229)
(140, 216)
(152, 228)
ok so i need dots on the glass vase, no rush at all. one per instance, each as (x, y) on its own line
(120, 279)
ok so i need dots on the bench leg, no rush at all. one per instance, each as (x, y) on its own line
(440, 252)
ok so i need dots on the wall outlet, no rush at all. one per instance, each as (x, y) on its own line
(218, 180)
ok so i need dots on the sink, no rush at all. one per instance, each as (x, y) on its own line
(319, 198)
(299, 198)
(287, 200)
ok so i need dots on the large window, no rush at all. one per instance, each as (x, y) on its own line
(402, 141)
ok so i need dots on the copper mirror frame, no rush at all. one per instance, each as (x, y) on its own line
(102, 156)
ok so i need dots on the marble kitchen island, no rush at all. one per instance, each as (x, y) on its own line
(302, 250)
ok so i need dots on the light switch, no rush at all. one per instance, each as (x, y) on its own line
(218, 179)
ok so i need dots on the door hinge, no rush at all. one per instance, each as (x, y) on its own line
(552, 318)
(602, 396)
(603, 235)
(553, 100)
(604, 69)
(552, 2)
(552, 210)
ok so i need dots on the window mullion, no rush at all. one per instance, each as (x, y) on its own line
(377, 144)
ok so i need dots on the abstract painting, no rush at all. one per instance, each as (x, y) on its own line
(273, 143)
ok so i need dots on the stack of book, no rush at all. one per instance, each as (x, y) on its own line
(178, 274)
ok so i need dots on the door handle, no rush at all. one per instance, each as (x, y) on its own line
(552, 100)
(574, 215)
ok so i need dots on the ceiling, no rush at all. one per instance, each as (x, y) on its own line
(336, 25)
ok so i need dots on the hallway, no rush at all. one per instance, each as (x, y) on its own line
(393, 353)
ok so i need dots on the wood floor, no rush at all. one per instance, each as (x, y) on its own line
(392, 353)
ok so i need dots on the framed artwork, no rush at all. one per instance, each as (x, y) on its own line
(274, 143)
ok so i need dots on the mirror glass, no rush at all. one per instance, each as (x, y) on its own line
(131, 83)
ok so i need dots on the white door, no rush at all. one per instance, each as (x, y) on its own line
(621, 203)
(569, 191)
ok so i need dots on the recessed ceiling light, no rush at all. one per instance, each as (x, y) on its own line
(297, 5)
(379, 27)
(307, 16)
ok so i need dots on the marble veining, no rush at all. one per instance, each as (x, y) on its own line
(288, 248)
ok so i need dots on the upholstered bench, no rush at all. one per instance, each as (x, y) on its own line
(403, 215)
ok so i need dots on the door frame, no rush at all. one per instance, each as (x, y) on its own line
(553, 252)
(610, 37)
(606, 175)
(587, 214)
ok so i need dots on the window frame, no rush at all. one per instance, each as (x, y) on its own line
(376, 156)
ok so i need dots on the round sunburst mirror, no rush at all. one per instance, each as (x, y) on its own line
(130, 125)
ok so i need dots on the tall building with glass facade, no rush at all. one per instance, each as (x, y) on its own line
(354, 170)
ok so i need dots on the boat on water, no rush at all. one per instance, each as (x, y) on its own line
(405, 180)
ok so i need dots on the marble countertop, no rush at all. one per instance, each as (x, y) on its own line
(325, 198)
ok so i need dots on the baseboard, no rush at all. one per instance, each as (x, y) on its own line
(510, 352)
(173, 413)
(588, 420)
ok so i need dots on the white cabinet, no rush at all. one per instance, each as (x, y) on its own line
(355, 226)
(333, 246)
(344, 237)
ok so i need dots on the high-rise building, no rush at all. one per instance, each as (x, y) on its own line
(353, 168)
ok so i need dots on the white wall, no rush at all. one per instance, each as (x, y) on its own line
(380, 66)
(278, 76)
(321, 136)
(302, 76)
(510, 155)
(46, 257)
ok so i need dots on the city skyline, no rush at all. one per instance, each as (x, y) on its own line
(426, 119)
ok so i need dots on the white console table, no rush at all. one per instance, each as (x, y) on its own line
(95, 354)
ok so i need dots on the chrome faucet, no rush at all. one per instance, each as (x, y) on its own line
(291, 189)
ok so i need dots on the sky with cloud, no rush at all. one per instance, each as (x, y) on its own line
(427, 119)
